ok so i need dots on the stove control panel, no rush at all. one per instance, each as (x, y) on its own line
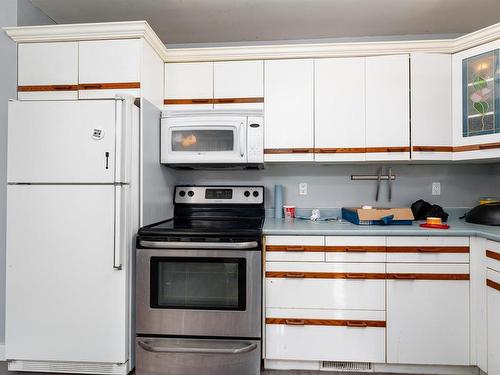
(219, 194)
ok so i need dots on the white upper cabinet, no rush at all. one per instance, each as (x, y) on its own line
(109, 67)
(431, 133)
(189, 85)
(339, 109)
(289, 110)
(476, 112)
(239, 84)
(387, 108)
(48, 70)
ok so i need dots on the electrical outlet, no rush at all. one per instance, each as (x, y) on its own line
(436, 188)
(303, 188)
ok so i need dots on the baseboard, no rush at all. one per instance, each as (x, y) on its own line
(2, 351)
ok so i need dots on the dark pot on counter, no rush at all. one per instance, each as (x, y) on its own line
(487, 214)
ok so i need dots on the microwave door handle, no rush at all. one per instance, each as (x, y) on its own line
(242, 140)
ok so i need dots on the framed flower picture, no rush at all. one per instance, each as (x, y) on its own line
(480, 94)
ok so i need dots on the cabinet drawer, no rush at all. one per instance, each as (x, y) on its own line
(493, 255)
(325, 285)
(295, 248)
(355, 249)
(357, 336)
(428, 249)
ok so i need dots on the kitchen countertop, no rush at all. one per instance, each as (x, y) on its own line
(301, 227)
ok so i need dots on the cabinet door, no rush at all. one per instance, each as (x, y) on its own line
(476, 102)
(431, 134)
(428, 314)
(339, 109)
(493, 284)
(387, 108)
(48, 71)
(239, 84)
(109, 67)
(289, 110)
(189, 85)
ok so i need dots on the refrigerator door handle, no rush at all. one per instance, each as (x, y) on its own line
(119, 207)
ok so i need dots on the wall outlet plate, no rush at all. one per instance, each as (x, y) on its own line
(436, 188)
(303, 188)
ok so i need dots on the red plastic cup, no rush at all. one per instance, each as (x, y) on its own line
(289, 211)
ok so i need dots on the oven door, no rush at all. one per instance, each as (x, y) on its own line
(196, 292)
(208, 140)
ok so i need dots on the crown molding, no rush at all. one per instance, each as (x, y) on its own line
(141, 29)
(88, 31)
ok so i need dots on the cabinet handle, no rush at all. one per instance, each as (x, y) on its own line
(408, 276)
(224, 100)
(295, 248)
(106, 155)
(355, 276)
(63, 87)
(427, 250)
(90, 86)
(356, 324)
(355, 249)
(295, 322)
(201, 101)
(295, 275)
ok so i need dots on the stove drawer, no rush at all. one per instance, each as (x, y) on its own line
(159, 356)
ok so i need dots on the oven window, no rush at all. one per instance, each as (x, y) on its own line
(203, 140)
(198, 283)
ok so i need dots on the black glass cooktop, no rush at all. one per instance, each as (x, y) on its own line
(207, 227)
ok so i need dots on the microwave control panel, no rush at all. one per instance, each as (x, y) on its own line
(255, 140)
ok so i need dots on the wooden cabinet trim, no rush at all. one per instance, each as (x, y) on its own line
(355, 249)
(327, 322)
(433, 148)
(213, 101)
(340, 150)
(47, 88)
(427, 249)
(325, 275)
(109, 86)
(427, 276)
(491, 254)
(493, 284)
(477, 147)
(288, 151)
(388, 149)
(295, 248)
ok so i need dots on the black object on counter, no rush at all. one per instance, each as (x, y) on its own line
(422, 210)
(488, 214)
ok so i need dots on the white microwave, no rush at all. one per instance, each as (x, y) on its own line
(212, 139)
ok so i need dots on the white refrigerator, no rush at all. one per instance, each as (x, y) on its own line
(74, 204)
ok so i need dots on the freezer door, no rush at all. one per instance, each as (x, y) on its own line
(65, 299)
(62, 141)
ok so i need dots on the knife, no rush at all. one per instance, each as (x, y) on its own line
(390, 184)
(379, 177)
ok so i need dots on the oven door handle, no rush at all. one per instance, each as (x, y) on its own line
(198, 245)
(179, 349)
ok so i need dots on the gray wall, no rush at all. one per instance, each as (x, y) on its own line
(12, 13)
(330, 185)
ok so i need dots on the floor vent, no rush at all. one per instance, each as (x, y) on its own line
(71, 367)
(346, 366)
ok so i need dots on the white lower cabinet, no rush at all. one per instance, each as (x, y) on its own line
(428, 314)
(493, 284)
(325, 285)
(325, 335)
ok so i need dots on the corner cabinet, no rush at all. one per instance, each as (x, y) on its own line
(289, 110)
(387, 108)
(476, 102)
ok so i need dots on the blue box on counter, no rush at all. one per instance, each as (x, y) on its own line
(378, 216)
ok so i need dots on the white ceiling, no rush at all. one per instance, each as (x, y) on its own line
(202, 21)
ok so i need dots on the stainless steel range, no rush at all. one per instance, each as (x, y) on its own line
(199, 284)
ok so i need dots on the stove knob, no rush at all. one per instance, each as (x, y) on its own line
(255, 194)
(246, 193)
(182, 193)
(190, 193)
